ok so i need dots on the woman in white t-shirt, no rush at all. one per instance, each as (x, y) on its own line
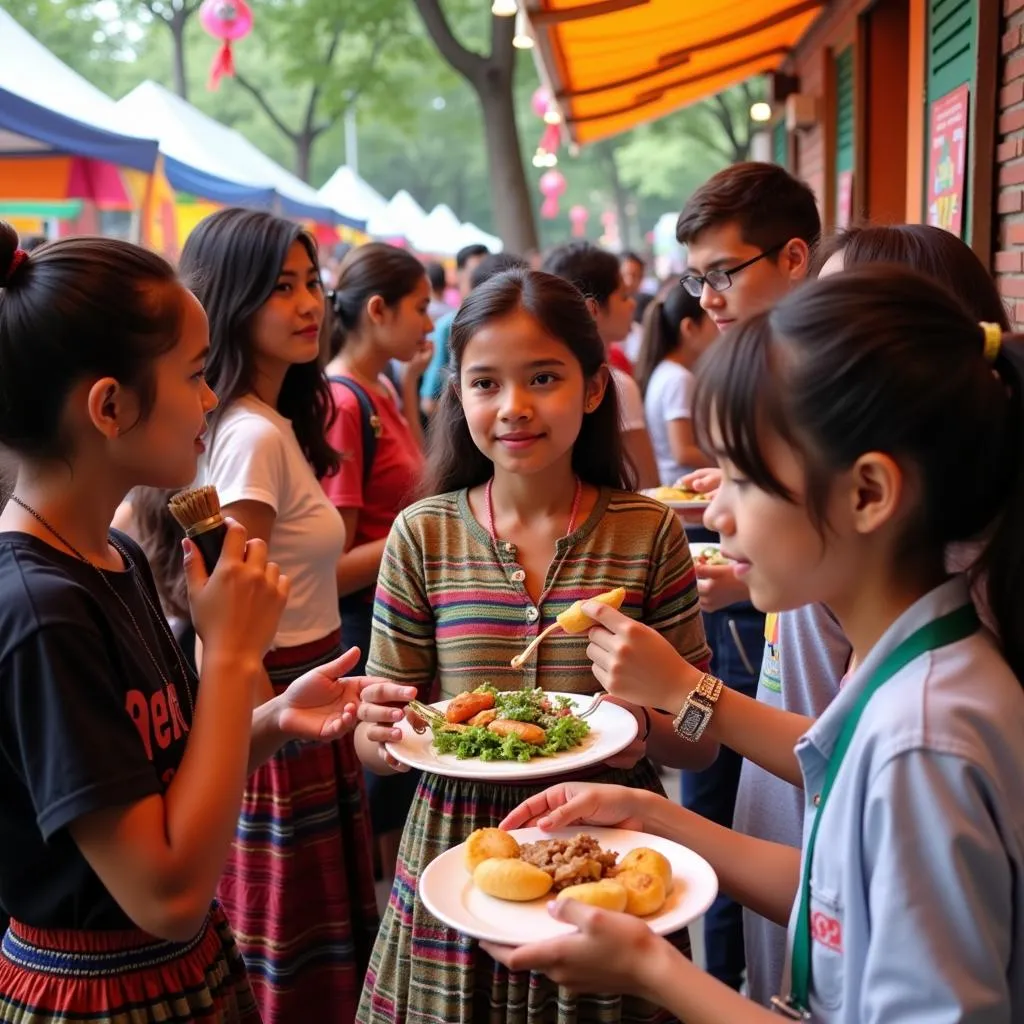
(298, 886)
(677, 332)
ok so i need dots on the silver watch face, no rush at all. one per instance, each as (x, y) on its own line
(693, 718)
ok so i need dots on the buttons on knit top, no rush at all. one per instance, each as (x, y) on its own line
(532, 615)
(519, 575)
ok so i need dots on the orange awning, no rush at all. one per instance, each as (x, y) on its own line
(613, 64)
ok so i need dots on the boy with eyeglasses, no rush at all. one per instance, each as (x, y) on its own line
(750, 231)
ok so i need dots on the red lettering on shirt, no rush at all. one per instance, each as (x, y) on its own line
(161, 721)
(138, 710)
(827, 930)
(157, 716)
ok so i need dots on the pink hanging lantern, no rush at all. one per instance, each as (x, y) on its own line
(578, 217)
(550, 139)
(228, 21)
(552, 186)
(540, 101)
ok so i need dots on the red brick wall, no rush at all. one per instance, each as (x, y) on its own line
(1008, 261)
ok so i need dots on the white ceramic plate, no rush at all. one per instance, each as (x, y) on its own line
(697, 548)
(612, 729)
(448, 892)
(679, 506)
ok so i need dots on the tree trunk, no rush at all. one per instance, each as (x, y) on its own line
(304, 153)
(510, 192)
(177, 26)
(619, 194)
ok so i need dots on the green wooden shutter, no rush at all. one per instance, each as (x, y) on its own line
(780, 144)
(844, 111)
(952, 62)
(952, 45)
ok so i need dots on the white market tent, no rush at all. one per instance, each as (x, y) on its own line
(206, 158)
(350, 195)
(439, 233)
(402, 217)
(47, 108)
(470, 234)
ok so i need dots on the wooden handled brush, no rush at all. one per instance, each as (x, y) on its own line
(198, 514)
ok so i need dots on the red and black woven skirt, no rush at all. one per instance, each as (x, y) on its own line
(123, 977)
(298, 886)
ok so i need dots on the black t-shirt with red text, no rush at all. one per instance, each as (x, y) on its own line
(86, 721)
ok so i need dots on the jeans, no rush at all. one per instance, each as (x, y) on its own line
(736, 637)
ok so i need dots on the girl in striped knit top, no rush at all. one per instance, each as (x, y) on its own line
(531, 513)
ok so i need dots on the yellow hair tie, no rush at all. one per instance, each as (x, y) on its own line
(993, 340)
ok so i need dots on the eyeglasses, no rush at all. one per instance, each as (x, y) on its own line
(721, 280)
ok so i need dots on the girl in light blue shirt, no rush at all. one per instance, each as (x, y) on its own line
(863, 426)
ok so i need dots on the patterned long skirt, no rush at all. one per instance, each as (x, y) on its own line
(422, 972)
(124, 977)
(298, 885)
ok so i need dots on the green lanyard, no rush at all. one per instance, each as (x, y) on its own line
(940, 633)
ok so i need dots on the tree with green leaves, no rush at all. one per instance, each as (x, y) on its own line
(175, 16)
(317, 58)
(492, 76)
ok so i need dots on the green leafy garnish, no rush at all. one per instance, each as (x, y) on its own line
(564, 731)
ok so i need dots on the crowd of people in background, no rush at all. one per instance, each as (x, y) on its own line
(196, 794)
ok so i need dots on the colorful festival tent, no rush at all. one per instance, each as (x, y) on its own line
(205, 158)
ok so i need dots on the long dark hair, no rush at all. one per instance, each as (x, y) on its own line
(373, 269)
(232, 261)
(929, 250)
(76, 308)
(454, 461)
(662, 321)
(160, 536)
(881, 358)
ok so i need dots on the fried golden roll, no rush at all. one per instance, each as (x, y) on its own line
(526, 731)
(483, 718)
(489, 843)
(466, 705)
(650, 862)
(572, 620)
(608, 894)
(512, 879)
(645, 894)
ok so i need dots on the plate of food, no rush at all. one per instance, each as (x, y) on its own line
(496, 885)
(679, 498)
(708, 553)
(514, 734)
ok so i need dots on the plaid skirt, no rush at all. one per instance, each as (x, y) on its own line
(422, 972)
(298, 885)
(123, 977)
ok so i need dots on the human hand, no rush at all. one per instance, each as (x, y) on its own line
(236, 608)
(380, 708)
(606, 954)
(416, 367)
(582, 803)
(719, 587)
(703, 481)
(322, 703)
(636, 663)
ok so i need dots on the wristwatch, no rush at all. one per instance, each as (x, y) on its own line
(693, 719)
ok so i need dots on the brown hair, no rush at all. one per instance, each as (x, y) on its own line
(454, 461)
(767, 203)
(881, 358)
(368, 270)
(662, 320)
(929, 250)
(77, 308)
